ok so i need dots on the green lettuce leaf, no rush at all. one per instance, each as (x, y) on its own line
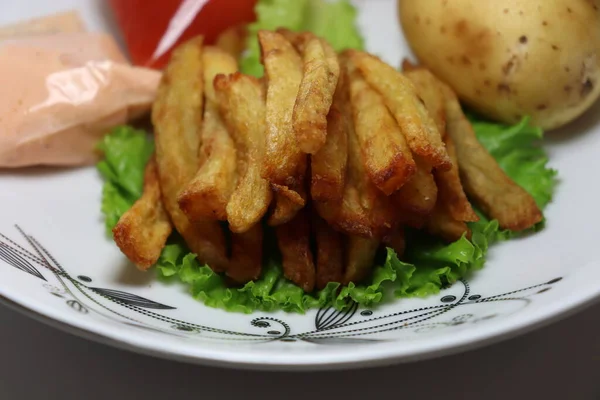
(126, 151)
(427, 267)
(334, 21)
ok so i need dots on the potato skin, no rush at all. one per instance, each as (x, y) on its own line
(511, 58)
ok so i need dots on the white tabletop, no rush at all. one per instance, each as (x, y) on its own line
(560, 361)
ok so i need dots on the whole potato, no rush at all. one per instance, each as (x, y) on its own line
(511, 58)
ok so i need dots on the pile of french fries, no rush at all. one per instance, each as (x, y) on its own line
(338, 152)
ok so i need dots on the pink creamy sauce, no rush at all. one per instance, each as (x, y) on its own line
(62, 92)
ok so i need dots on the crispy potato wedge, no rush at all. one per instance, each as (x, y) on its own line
(284, 164)
(177, 117)
(142, 231)
(483, 179)
(328, 165)
(246, 255)
(330, 253)
(242, 104)
(385, 153)
(359, 256)
(427, 89)
(396, 241)
(400, 96)
(207, 195)
(293, 239)
(233, 40)
(450, 189)
(416, 199)
(315, 95)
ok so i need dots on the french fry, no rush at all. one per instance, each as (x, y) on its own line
(242, 104)
(483, 179)
(359, 257)
(441, 223)
(177, 116)
(427, 89)
(453, 208)
(284, 164)
(233, 40)
(450, 189)
(315, 95)
(246, 255)
(364, 210)
(399, 94)
(286, 204)
(207, 194)
(330, 253)
(328, 165)
(396, 241)
(142, 231)
(293, 239)
(385, 153)
(416, 199)
(347, 215)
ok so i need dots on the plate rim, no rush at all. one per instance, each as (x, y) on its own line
(385, 354)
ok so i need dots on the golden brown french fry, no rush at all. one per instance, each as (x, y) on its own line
(293, 239)
(286, 204)
(207, 194)
(284, 164)
(396, 241)
(177, 117)
(330, 253)
(233, 40)
(246, 255)
(142, 231)
(315, 95)
(483, 179)
(450, 189)
(399, 94)
(385, 153)
(416, 199)
(407, 65)
(441, 223)
(215, 62)
(364, 210)
(348, 214)
(359, 256)
(296, 39)
(328, 165)
(428, 90)
(242, 104)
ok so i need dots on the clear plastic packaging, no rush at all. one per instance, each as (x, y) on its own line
(61, 92)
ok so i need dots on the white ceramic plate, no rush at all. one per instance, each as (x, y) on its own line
(57, 264)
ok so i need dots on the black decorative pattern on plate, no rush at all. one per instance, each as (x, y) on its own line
(331, 326)
(131, 299)
(12, 257)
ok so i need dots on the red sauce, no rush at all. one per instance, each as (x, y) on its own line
(144, 22)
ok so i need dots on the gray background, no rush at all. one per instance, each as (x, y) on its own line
(561, 361)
